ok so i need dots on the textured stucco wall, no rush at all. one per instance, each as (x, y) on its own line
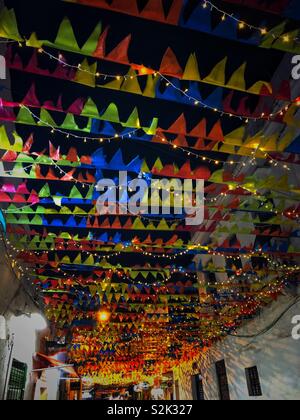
(276, 354)
(13, 301)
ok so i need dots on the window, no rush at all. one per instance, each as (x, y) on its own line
(17, 381)
(198, 390)
(177, 392)
(253, 382)
(222, 381)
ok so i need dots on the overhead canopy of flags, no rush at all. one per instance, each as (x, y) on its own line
(160, 89)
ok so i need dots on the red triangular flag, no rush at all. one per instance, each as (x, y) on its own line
(179, 126)
(216, 132)
(72, 155)
(125, 6)
(120, 53)
(175, 12)
(154, 10)
(170, 65)
(31, 98)
(54, 154)
(199, 130)
(100, 51)
(181, 141)
(27, 146)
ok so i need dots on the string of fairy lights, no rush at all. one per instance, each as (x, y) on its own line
(189, 153)
(251, 300)
(103, 259)
(272, 161)
(190, 249)
(184, 92)
(111, 138)
(242, 24)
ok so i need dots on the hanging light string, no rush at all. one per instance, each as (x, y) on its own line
(84, 138)
(19, 208)
(195, 101)
(25, 272)
(14, 173)
(189, 154)
(11, 171)
(108, 255)
(101, 259)
(217, 162)
(242, 24)
(130, 135)
(79, 67)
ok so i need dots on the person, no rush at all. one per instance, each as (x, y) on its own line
(157, 393)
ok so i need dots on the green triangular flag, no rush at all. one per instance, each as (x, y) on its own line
(91, 44)
(66, 38)
(86, 75)
(69, 123)
(25, 117)
(90, 109)
(45, 191)
(133, 120)
(90, 193)
(34, 42)
(18, 144)
(8, 25)
(152, 129)
(37, 220)
(149, 90)
(46, 119)
(111, 114)
(23, 158)
(4, 141)
(272, 35)
(75, 193)
(131, 83)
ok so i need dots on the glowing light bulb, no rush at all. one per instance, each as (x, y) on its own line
(103, 316)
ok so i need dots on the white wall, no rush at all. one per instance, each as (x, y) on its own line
(276, 354)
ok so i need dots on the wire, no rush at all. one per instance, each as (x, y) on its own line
(273, 324)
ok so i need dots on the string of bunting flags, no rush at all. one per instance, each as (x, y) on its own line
(135, 296)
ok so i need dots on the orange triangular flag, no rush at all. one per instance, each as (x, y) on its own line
(179, 125)
(170, 65)
(217, 132)
(129, 7)
(154, 10)
(128, 224)
(199, 130)
(175, 12)
(72, 155)
(100, 51)
(181, 141)
(120, 53)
